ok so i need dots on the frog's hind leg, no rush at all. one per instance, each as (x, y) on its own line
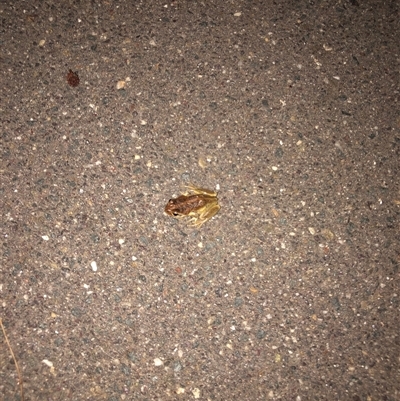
(198, 221)
(211, 212)
(198, 190)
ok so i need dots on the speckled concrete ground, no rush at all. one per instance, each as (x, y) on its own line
(290, 110)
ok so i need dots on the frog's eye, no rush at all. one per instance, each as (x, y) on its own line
(175, 214)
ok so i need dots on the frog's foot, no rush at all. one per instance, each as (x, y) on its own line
(196, 222)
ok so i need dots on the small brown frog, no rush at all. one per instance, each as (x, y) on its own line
(198, 204)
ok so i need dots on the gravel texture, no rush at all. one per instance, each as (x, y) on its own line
(290, 109)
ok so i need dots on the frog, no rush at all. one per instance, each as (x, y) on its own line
(198, 204)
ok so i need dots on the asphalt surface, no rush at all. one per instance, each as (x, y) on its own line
(290, 110)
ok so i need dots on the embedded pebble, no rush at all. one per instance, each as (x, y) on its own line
(177, 366)
(196, 393)
(94, 266)
(45, 237)
(202, 163)
(328, 234)
(158, 362)
(120, 85)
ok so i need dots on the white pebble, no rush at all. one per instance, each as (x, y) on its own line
(196, 393)
(134, 258)
(120, 85)
(158, 362)
(48, 363)
(94, 266)
(45, 237)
